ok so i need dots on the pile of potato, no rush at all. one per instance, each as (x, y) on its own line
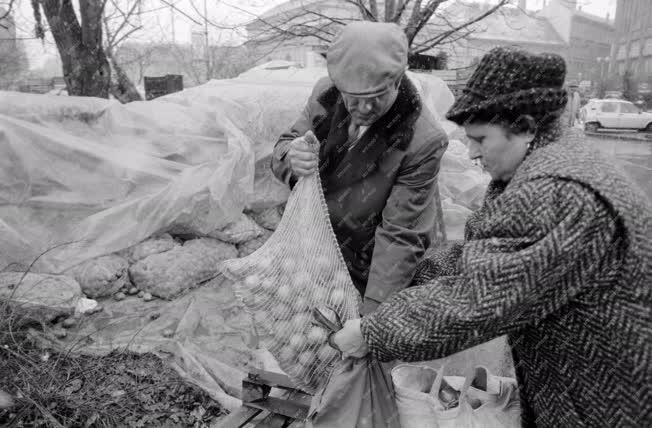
(283, 310)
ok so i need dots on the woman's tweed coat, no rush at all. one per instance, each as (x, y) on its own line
(559, 260)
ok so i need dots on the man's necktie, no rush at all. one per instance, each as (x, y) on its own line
(354, 131)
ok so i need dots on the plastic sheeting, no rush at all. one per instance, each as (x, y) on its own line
(113, 175)
(268, 99)
(99, 176)
(205, 335)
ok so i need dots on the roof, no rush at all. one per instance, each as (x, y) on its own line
(287, 7)
(595, 18)
(508, 24)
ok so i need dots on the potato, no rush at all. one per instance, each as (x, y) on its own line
(265, 264)
(298, 341)
(252, 281)
(300, 304)
(281, 311)
(341, 278)
(284, 292)
(337, 297)
(267, 285)
(319, 296)
(306, 358)
(282, 328)
(287, 355)
(326, 353)
(300, 321)
(289, 266)
(302, 280)
(317, 335)
(324, 265)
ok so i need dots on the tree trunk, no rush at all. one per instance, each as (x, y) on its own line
(124, 89)
(412, 27)
(86, 69)
(390, 10)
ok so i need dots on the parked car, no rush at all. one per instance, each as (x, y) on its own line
(614, 95)
(614, 114)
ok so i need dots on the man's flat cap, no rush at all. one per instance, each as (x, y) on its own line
(366, 58)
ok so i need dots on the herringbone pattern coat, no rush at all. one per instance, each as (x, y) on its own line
(559, 260)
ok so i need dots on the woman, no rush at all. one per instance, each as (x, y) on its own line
(558, 258)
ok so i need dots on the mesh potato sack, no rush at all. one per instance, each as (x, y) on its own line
(298, 268)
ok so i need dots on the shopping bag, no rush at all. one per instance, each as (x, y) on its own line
(425, 398)
(358, 394)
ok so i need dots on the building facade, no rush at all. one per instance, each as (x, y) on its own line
(632, 45)
(588, 38)
(584, 40)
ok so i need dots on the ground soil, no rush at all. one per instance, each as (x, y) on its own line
(54, 389)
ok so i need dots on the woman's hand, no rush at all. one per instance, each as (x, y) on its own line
(349, 340)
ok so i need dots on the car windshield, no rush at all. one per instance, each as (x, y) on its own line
(628, 108)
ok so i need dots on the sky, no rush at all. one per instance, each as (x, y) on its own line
(176, 20)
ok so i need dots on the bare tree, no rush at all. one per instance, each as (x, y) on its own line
(5, 11)
(13, 63)
(425, 22)
(79, 41)
(135, 59)
(123, 88)
(86, 43)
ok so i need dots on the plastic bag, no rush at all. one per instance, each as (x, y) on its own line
(298, 268)
(425, 398)
(359, 394)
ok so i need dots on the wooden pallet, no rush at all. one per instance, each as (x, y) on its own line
(259, 409)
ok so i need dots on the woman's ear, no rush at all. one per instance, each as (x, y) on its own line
(524, 125)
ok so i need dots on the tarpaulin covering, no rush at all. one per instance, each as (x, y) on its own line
(108, 176)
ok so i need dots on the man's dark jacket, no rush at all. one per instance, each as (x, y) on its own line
(379, 189)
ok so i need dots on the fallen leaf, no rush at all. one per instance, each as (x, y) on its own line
(74, 386)
(117, 393)
(6, 401)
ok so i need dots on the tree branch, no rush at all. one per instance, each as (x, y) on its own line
(428, 44)
(403, 4)
(426, 14)
(366, 13)
(126, 16)
(213, 24)
(411, 27)
(7, 13)
(302, 24)
(373, 8)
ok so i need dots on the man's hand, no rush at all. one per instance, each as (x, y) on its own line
(302, 155)
(368, 306)
(349, 340)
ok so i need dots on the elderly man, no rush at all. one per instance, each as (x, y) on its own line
(379, 154)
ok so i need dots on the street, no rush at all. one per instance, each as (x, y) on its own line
(634, 158)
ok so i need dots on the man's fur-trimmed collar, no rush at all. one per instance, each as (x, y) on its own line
(343, 162)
